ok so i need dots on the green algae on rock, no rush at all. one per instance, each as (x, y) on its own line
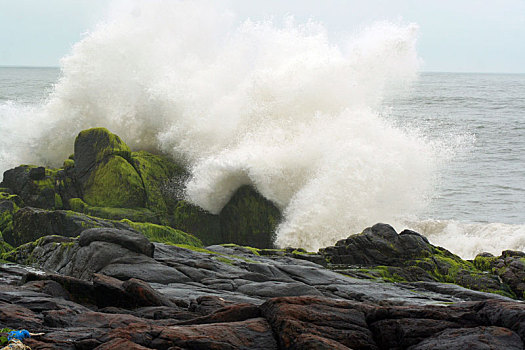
(380, 252)
(192, 219)
(156, 172)
(249, 218)
(93, 146)
(133, 214)
(114, 183)
(163, 234)
(36, 186)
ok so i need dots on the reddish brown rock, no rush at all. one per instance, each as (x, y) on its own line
(506, 314)
(120, 344)
(403, 326)
(250, 334)
(314, 342)
(143, 295)
(292, 318)
(15, 316)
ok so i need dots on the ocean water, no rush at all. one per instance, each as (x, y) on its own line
(339, 134)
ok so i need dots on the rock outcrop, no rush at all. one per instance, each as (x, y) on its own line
(105, 179)
(107, 313)
(380, 252)
(509, 267)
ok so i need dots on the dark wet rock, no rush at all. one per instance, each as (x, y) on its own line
(16, 316)
(120, 343)
(37, 186)
(247, 219)
(401, 327)
(210, 321)
(506, 314)
(38, 173)
(205, 305)
(230, 313)
(142, 294)
(277, 289)
(489, 338)
(378, 245)
(111, 288)
(130, 240)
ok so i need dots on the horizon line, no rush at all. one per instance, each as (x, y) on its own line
(426, 71)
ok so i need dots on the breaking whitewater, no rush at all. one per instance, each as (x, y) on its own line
(338, 133)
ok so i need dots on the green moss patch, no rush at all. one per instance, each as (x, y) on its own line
(114, 183)
(133, 214)
(192, 219)
(156, 172)
(97, 144)
(4, 247)
(249, 218)
(164, 234)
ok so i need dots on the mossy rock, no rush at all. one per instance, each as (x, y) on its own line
(249, 219)
(25, 254)
(407, 256)
(133, 214)
(164, 234)
(9, 205)
(114, 183)
(29, 224)
(93, 146)
(69, 163)
(35, 185)
(4, 246)
(485, 262)
(159, 176)
(192, 219)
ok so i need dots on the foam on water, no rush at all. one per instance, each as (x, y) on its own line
(469, 239)
(279, 106)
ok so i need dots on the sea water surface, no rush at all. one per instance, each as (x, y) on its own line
(338, 134)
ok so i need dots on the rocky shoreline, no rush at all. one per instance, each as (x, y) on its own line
(103, 254)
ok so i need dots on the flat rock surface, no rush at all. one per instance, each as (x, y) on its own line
(107, 294)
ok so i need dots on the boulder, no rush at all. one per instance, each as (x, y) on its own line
(509, 267)
(92, 146)
(192, 219)
(29, 224)
(247, 219)
(104, 171)
(379, 252)
(130, 240)
(38, 186)
(9, 205)
(163, 181)
(379, 245)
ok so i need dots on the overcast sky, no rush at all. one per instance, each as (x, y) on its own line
(455, 35)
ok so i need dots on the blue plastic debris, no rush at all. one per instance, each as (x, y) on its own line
(20, 335)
